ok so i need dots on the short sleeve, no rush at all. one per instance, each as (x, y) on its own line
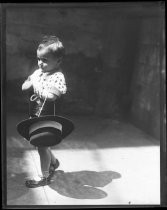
(58, 84)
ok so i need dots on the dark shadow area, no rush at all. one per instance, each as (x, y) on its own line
(89, 133)
(16, 172)
(114, 72)
(15, 186)
(83, 184)
(107, 133)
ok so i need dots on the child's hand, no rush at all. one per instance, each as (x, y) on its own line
(27, 84)
(39, 92)
(48, 95)
(44, 94)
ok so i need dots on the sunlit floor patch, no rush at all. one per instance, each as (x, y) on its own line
(105, 176)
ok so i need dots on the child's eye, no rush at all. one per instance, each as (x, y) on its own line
(44, 60)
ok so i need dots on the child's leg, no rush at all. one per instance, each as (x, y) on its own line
(45, 159)
(48, 165)
(54, 163)
(53, 158)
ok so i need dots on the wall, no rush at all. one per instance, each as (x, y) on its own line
(145, 87)
(112, 61)
(97, 66)
(83, 35)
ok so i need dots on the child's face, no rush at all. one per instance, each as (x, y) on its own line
(46, 60)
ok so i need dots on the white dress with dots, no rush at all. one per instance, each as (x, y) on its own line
(51, 82)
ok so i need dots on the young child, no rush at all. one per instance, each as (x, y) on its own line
(47, 84)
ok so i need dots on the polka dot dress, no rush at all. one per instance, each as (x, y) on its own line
(53, 83)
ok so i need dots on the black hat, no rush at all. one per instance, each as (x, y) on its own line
(46, 130)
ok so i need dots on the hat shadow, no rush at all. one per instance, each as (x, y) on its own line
(82, 184)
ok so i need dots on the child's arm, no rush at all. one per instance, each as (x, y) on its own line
(55, 90)
(58, 87)
(27, 85)
(52, 94)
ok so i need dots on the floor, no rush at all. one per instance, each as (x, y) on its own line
(102, 162)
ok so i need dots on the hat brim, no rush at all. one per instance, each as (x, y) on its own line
(23, 126)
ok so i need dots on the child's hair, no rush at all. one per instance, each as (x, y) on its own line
(54, 44)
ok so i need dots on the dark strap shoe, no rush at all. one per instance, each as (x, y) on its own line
(53, 167)
(32, 183)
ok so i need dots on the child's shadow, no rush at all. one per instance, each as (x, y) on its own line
(82, 184)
